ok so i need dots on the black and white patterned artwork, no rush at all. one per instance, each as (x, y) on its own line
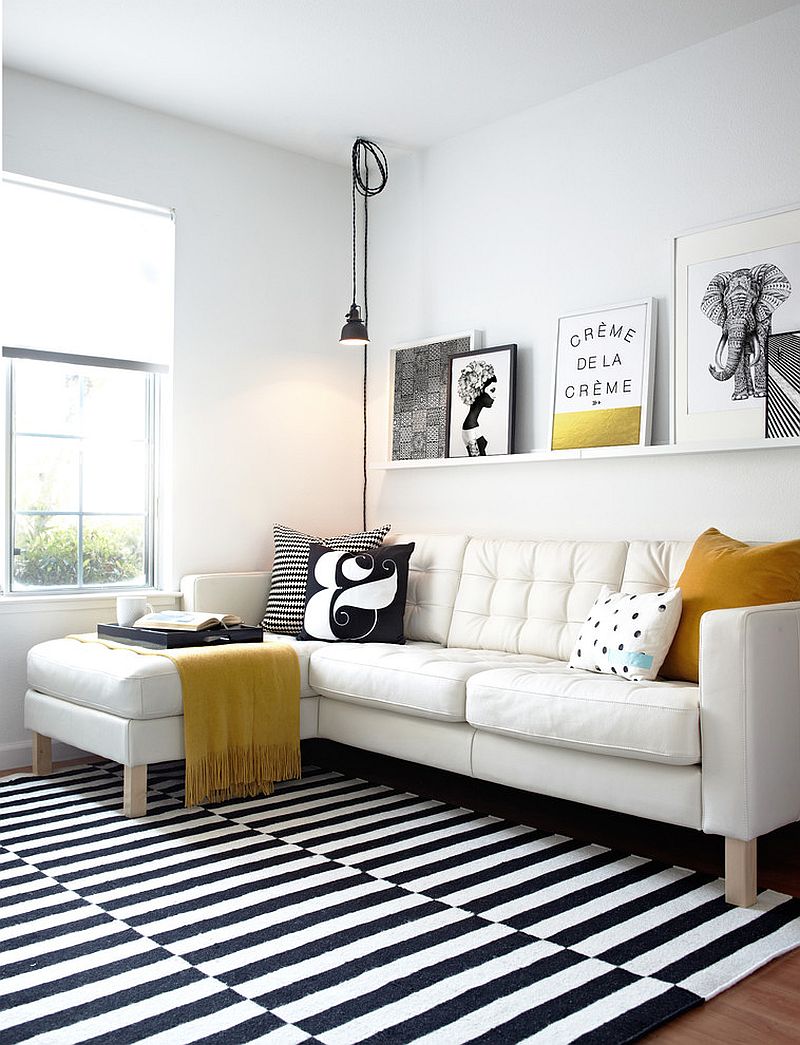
(783, 385)
(419, 405)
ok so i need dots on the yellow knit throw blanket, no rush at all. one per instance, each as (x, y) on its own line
(241, 716)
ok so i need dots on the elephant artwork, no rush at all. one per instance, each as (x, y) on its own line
(742, 303)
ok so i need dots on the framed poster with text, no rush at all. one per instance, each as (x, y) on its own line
(602, 381)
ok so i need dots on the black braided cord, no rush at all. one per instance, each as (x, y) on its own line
(363, 151)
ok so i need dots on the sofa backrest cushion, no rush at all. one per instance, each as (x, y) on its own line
(433, 578)
(531, 596)
(654, 565)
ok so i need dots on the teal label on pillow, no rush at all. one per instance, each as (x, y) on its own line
(632, 659)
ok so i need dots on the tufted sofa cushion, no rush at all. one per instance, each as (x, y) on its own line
(654, 565)
(654, 721)
(419, 679)
(120, 681)
(531, 596)
(434, 573)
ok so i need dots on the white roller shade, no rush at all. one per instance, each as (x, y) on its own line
(84, 274)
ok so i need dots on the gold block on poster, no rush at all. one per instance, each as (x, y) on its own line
(602, 380)
(616, 427)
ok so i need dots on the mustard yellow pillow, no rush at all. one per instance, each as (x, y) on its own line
(722, 573)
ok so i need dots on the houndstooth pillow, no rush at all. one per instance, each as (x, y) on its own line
(287, 592)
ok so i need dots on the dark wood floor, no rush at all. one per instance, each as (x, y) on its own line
(764, 1008)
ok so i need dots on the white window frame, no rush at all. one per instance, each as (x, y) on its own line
(159, 516)
(153, 421)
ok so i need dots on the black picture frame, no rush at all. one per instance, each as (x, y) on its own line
(471, 371)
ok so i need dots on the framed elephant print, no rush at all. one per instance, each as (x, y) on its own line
(736, 286)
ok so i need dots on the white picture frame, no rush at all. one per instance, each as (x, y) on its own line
(417, 422)
(702, 409)
(602, 388)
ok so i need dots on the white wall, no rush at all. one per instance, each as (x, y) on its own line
(570, 205)
(267, 407)
(22, 626)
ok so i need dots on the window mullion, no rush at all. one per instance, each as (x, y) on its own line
(150, 504)
(82, 431)
(9, 503)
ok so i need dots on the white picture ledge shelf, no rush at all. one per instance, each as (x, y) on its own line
(593, 453)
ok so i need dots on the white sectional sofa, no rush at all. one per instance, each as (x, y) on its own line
(482, 688)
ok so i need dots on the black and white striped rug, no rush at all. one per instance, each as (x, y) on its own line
(339, 911)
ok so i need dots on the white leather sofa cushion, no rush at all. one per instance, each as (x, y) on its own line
(120, 681)
(654, 565)
(655, 721)
(531, 596)
(419, 678)
(433, 576)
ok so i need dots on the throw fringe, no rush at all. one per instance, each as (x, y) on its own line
(240, 773)
(241, 716)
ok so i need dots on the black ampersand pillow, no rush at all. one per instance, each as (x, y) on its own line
(356, 597)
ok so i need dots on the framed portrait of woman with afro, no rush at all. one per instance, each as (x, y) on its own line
(480, 402)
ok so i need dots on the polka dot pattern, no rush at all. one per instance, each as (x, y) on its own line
(628, 635)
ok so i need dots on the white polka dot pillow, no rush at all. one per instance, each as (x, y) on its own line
(628, 635)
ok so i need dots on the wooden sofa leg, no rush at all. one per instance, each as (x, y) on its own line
(134, 791)
(740, 872)
(42, 755)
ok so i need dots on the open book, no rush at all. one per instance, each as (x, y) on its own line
(177, 620)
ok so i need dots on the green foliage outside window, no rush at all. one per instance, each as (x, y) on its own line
(48, 554)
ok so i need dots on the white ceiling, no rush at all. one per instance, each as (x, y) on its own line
(310, 75)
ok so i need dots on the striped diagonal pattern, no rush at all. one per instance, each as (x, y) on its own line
(783, 385)
(342, 911)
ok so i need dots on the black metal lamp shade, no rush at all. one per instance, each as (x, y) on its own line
(354, 332)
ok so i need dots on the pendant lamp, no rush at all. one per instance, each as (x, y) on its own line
(354, 332)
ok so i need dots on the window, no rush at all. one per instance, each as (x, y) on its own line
(82, 466)
(87, 339)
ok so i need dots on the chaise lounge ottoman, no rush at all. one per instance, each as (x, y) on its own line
(121, 705)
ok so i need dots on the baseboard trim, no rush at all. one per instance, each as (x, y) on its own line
(18, 754)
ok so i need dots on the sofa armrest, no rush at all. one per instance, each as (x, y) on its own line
(241, 593)
(750, 719)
